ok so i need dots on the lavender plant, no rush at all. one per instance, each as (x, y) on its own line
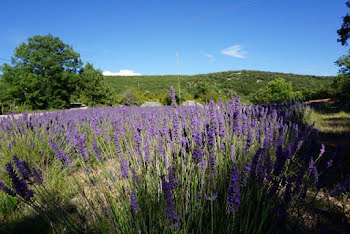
(225, 168)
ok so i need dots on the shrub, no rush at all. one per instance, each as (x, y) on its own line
(130, 98)
(277, 90)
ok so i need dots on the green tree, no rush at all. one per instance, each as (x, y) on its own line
(344, 31)
(341, 85)
(92, 88)
(206, 92)
(277, 90)
(43, 74)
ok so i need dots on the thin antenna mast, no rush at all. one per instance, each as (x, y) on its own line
(178, 75)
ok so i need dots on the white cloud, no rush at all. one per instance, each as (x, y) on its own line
(234, 51)
(209, 56)
(124, 72)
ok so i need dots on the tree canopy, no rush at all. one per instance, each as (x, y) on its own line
(277, 90)
(92, 88)
(344, 31)
(341, 85)
(46, 73)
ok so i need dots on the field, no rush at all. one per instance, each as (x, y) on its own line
(223, 83)
(226, 167)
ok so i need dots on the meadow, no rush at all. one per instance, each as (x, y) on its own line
(228, 168)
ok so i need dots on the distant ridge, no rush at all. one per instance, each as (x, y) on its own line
(243, 82)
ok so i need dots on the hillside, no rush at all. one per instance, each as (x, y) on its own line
(223, 83)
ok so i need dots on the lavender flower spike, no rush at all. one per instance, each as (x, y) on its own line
(234, 193)
(134, 203)
(172, 96)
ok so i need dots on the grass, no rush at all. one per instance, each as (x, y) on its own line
(332, 120)
(331, 123)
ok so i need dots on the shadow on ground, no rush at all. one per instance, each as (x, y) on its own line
(38, 224)
(331, 107)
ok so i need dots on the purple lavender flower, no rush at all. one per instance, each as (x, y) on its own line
(198, 153)
(234, 193)
(245, 174)
(135, 176)
(20, 186)
(65, 159)
(168, 188)
(322, 150)
(172, 96)
(147, 151)
(23, 168)
(55, 149)
(341, 187)
(211, 146)
(37, 176)
(198, 196)
(256, 159)
(96, 149)
(82, 146)
(124, 168)
(133, 202)
(8, 191)
(281, 157)
(60, 154)
(334, 157)
(211, 198)
(313, 170)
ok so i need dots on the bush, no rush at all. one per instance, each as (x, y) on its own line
(130, 98)
(277, 90)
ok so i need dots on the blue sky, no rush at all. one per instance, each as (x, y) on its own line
(144, 36)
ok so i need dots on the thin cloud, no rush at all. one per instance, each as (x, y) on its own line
(124, 72)
(234, 51)
(209, 56)
(107, 51)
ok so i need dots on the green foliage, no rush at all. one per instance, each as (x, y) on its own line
(43, 73)
(92, 89)
(204, 87)
(130, 98)
(167, 100)
(47, 74)
(277, 90)
(341, 87)
(7, 205)
(344, 31)
(341, 84)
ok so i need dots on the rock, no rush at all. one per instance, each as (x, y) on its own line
(191, 103)
(151, 104)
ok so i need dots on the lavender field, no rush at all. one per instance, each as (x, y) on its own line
(225, 168)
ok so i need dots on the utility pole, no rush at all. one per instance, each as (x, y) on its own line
(178, 75)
